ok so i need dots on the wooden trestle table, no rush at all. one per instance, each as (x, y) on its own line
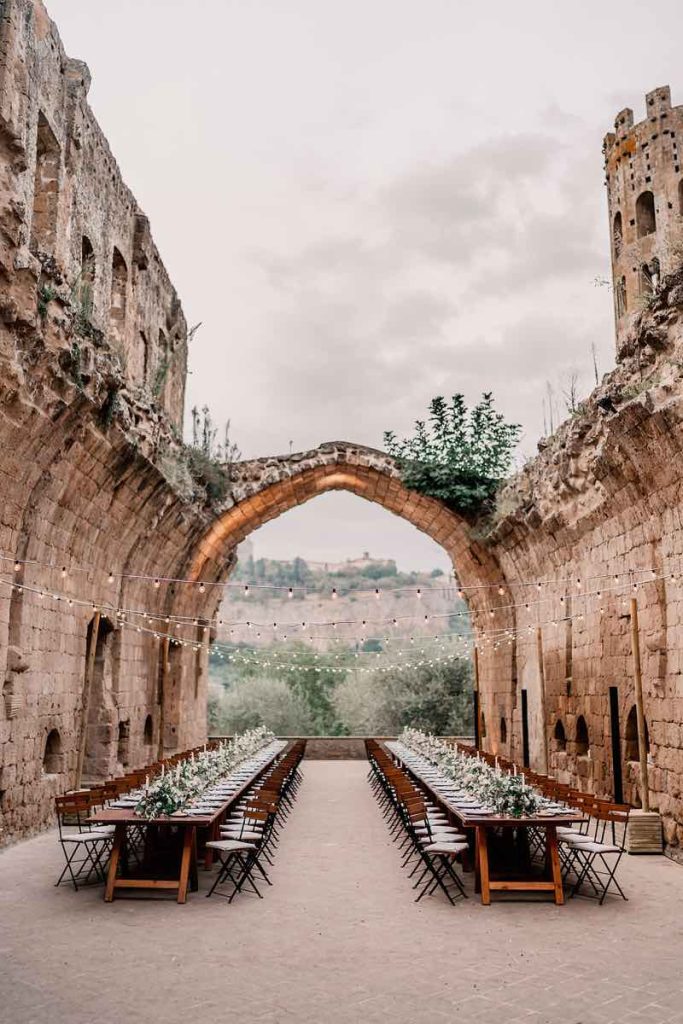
(483, 825)
(123, 819)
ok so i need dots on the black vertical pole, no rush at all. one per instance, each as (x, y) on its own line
(616, 744)
(525, 730)
(475, 695)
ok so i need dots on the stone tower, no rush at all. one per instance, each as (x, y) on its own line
(645, 201)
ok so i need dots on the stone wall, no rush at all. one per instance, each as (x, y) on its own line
(92, 474)
(603, 499)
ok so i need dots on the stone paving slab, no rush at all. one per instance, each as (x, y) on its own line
(337, 940)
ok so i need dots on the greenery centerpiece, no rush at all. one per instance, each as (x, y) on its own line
(187, 780)
(502, 792)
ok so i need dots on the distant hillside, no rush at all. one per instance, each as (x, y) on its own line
(354, 583)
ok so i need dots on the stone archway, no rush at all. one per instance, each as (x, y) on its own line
(263, 489)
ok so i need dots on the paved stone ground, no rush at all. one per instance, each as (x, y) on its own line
(338, 940)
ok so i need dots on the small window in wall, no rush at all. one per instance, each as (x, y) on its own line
(620, 296)
(45, 189)
(617, 234)
(124, 738)
(503, 730)
(680, 197)
(646, 218)
(631, 745)
(119, 286)
(482, 725)
(560, 736)
(582, 740)
(149, 731)
(52, 758)
(86, 282)
(646, 282)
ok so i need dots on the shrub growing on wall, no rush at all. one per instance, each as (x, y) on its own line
(457, 455)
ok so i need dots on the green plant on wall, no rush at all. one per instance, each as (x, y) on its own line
(457, 455)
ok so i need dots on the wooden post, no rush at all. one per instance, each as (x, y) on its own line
(541, 694)
(475, 659)
(640, 711)
(163, 686)
(85, 699)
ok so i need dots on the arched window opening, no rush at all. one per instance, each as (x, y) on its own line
(560, 736)
(148, 735)
(482, 725)
(617, 234)
(45, 189)
(86, 284)
(646, 218)
(52, 758)
(123, 744)
(503, 730)
(680, 197)
(582, 740)
(620, 296)
(119, 285)
(99, 739)
(631, 745)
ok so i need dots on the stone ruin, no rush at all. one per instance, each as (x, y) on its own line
(98, 490)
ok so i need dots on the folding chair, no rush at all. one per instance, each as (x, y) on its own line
(86, 849)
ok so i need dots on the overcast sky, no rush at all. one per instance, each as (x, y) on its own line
(372, 202)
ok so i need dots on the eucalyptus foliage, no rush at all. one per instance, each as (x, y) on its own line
(457, 455)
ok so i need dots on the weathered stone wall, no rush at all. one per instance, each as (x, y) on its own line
(603, 498)
(91, 471)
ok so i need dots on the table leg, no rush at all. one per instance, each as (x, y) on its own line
(477, 868)
(185, 862)
(119, 839)
(484, 865)
(214, 833)
(554, 858)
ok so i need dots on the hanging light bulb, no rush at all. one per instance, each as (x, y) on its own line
(202, 588)
(501, 591)
(377, 593)
(291, 592)
(17, 566)
(111, 577)
(157, 584)
(419, 594)
(63, 572)
(334, 593)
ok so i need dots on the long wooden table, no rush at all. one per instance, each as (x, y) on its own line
(123, 819)
(484, 824)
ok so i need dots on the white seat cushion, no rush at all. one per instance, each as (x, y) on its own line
(446, 847)
(229, 845)
(84, 837)
(593, 847)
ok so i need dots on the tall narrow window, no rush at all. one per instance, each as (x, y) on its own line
(620, 296)
(119, 286)
(124, 738)
(617, 234)
(148, 736)
(86, 283)
(45, 189)
(582, 740)
(646, 219)
(503, 731)
(146, 357)
(646, 282)
(680, 197)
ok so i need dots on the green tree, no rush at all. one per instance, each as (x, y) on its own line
(458, 455)
(251, 702)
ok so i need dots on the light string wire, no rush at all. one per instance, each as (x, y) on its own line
(307, 626)
(501, 586)
(482, 638)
